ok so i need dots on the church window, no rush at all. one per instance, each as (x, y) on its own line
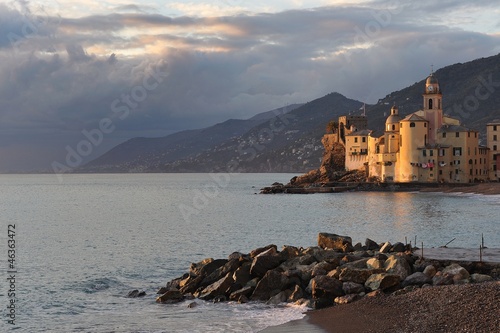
(430, 104)
(439, 104)
(393, 127)
(412, 124)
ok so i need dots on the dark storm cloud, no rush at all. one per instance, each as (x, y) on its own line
(54, 86)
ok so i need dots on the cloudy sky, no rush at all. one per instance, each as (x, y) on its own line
(83, 76)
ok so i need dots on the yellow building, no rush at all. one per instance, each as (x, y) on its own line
(425, 146)
(493, 140)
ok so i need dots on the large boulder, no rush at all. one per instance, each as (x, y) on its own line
(371, 245)
(260, 250)
(442, 279)
(264, 262)
(357, 275)
(245, 291)
(459, 273)
(206, 266)
(430, 270)
(417, 279)
(397, 265)
(353, 288)
(375, 263)
(217, 288)
(335, 242)
(382, 281)
(293, 263)
(326, 287)
(478, 278)
(271, 284)
(220, 272)
(289, 252)
(242, 274)
(171, 296)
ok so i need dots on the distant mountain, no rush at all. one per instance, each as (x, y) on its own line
(290, 140)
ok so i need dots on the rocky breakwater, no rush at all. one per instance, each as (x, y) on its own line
(334, 272)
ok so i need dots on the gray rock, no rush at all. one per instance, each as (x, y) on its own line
(271, 284)
(382, 281)
(326, 287)
(258, 251)
(398, 247)
(417, 278)
(297, 293)
(371, 245)
(459, 273)
(397, 265)
(440, 279)
(478, 278)
(281, 297)
(357, 275)
(245, 291)
(136, 293)
(353, 288)
(264, 262)
(206, 266)
(217, 288)
(375, 263)
(386, 248)
(242, 274)
(171, 296)
(430, 271)
(321, 268)
(335, 242)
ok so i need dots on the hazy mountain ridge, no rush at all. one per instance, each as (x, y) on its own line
(289, 139)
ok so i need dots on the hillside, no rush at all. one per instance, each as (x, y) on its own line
(290, 140)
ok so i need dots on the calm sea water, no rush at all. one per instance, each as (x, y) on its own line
(83, 244)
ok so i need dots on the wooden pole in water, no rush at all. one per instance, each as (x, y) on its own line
(480, 253)
(422, 250)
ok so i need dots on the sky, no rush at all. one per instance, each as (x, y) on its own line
(79, 77)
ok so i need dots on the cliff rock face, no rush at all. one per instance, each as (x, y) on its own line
(332, 166)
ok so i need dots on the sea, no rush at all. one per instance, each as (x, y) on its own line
(82, 242)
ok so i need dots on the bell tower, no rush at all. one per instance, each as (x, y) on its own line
(433, 109)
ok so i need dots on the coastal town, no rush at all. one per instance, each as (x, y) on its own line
(425, 146)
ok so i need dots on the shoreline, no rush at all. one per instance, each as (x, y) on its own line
(384, 315)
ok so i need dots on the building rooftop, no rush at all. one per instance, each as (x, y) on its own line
(413, 117)
(360, 133)
(453, 128)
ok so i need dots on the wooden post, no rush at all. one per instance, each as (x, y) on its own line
(422, 250)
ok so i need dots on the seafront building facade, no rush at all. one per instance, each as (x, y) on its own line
(424, 146)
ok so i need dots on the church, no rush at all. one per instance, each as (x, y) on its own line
(425, 146)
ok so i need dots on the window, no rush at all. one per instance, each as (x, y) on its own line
(430, 104)
(412, 124)
(495, 148)
(363, 139)
(494, 127)
(457, 134)
(470, 161)
(468, 134)
(431, 152)
(424, 152)
(355, 140)
(494, 138)
(468, 150)
(444, 134)
(425, 124)
(393, 127)
(457, 151)
(470, 172)
(456, 171)
(441, 152)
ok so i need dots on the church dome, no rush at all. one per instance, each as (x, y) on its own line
(431, 79)
(393, 119)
